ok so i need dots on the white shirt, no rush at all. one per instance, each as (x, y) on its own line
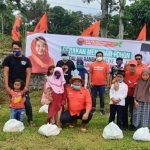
(121, 93)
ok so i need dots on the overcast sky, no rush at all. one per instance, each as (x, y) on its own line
(78, 5)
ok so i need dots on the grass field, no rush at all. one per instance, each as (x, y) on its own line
(68, 139)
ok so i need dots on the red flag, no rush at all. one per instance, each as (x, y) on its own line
(15, 32)
(142, 35)
(42, 24)
(93, 30)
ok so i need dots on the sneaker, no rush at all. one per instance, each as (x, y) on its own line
(83, 127)
(102, 112)
(73, 124)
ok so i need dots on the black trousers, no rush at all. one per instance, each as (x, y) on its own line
(116, 109)
(129, 103)
(67, 118)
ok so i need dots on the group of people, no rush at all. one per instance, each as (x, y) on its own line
(129, 87)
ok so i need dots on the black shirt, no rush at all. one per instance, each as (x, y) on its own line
(17, 67)
(67, 68)
(114, 71)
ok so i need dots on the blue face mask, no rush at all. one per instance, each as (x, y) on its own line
(120, 80)
(17, 53)
(57, 76)
(76, 87)
(65, 57)
(119, 63)
(79, 66)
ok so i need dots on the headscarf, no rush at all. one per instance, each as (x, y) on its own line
(82, 71)
(57, 85)
(141, 92)
(45, 60)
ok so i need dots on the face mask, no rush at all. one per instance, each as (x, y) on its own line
(57, 76)
(79, 66)
(99, 58)
(65, 57)
(76, 87)
(17, 52)
(119, 63)
(120, 80)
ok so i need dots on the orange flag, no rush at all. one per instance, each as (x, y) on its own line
(15, 32)
(93, 30)
(142, 35)
(42, 24)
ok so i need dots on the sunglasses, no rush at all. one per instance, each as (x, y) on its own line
(137, 58)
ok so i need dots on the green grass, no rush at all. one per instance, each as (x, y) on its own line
(68, 139)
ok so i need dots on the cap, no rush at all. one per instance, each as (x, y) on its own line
(64, 53)
(132, 62)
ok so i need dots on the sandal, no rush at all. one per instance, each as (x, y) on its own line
(31, 123)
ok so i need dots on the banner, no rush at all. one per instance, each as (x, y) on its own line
(45, 49)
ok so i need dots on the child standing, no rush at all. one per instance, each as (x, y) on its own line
(117, 98)
(57, 92)
(82, 71)
(47, 78)
(141, 110)
(17, 99)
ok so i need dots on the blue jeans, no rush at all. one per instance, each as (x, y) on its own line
(101, 90)
(17, 114)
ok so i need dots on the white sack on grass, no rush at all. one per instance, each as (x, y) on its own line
(112, 131)
(49, 130)
(142, 134)
(43, 108)
(13, 125)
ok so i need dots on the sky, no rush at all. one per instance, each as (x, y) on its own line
(77, 5)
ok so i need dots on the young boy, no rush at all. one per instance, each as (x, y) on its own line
(117, 98)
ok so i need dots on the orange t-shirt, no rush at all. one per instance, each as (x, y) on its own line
(131, 81)
(140, 68)
(78, 100)
(99, 71)
(16, 99)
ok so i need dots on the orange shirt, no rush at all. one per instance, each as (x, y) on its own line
(98, 72)
(131, 81)
(140, 68)
(16, 99)
(78, 100)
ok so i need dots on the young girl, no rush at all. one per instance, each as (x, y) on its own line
(47, 78)
(82, 71)
(57, 93)
(141, 110)
(17, 99)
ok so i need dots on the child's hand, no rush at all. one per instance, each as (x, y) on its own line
(136, 104)
(149, 89)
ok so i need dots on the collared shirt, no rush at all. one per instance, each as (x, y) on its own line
(140, 68)
(78, 100)
(121, 93)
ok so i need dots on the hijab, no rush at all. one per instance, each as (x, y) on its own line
(82, 71)
(141, 92)
(57, 85)
(42, 60)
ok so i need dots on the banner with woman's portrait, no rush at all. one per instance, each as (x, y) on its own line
(45, 49)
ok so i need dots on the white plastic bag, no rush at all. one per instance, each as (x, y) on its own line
(44, 108)
(13, 125)
(49, 130)
(142, 134)
(112, 131)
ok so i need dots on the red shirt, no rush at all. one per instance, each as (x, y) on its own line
(98, 72)
(16, 99)
(140, 68)
(78, 100)
(131, 81)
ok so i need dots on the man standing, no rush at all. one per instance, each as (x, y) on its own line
(131, 78)
(98, 77)
(67, 66)
(17, 66)
(140, 65)
(79, 104)
(115, 68)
